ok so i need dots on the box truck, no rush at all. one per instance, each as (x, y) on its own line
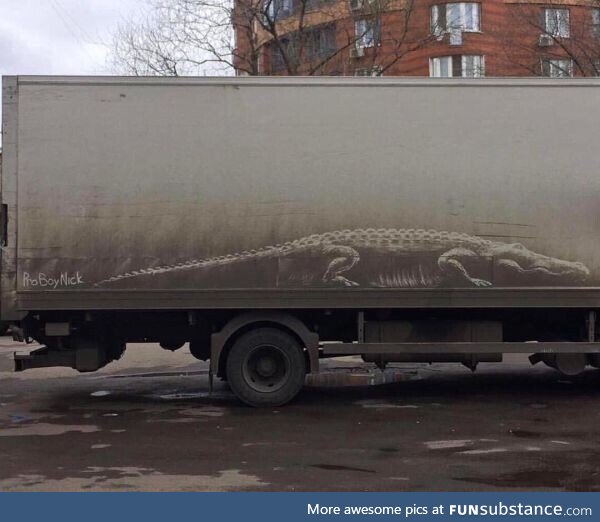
(274, 222)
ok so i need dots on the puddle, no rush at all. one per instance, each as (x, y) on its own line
(525, 434)
(538, 479)
(134, 479)
(207, 411)
(17, 419)
(484, 451)
(447, 444)
(27, 418)
(46, 430)
(188, 420)
(109, 406)
(333, 467)
(190, 396)
(100, 394)
(158, 374)
(379, 405)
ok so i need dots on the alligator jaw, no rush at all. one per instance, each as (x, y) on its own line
(576, 271)
(549, 268)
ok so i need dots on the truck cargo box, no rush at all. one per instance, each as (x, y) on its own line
(266, 193)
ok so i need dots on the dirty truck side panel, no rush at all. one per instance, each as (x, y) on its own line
(269, 193)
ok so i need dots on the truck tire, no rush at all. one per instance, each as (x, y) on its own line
(266, 367)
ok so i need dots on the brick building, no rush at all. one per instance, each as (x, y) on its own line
(419, 37)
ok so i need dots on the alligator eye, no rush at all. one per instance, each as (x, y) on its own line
(519, 245)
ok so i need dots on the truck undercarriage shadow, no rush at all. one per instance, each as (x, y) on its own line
(517, 385)
(343, 386)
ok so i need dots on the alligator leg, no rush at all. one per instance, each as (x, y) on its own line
(452, 263)
(343, 259)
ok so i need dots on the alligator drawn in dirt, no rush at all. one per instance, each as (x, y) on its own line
(384, 258)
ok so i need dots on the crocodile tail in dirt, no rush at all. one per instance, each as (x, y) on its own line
(195, 264)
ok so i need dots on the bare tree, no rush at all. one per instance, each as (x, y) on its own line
(554, 39)
(177, 37)
(291, 37)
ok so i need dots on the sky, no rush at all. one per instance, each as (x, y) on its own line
(60, 36)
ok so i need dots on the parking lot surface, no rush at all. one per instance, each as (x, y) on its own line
(148, 423)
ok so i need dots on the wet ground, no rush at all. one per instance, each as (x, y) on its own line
(147, 423)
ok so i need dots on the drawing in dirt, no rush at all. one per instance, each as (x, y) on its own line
(382, 258)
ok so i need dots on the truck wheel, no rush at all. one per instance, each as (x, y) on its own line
(266, 367)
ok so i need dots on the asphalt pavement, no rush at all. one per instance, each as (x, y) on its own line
(148, 423)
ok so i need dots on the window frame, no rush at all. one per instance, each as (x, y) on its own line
(438, 59)
(311, 46)
(550, 64)
(375, 29)
(451, 62)
(368, 72)
(439, 12)
(480, 67)
(557, 32)
(322, 34)
(276, 10)
(595, 24)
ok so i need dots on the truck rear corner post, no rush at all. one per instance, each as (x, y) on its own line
(8, 196)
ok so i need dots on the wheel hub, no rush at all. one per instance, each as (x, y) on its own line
(266, 366)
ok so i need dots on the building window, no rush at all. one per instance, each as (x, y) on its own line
(279, 52)
(368, 71)
(440, 67)
(316, 44)
(274, 10)
(596, 23)
(277, 9)
(465, 66)
(321, 43)
(366, 32)
(557, 68)
(556, 22)
(472, 66)
(448, 18)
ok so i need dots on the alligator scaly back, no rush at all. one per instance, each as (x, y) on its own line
(345, 240)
